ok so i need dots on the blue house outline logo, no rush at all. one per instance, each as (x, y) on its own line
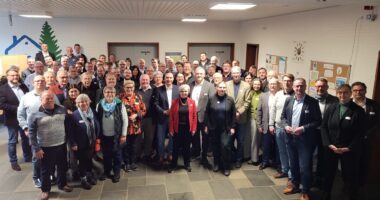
(18, 41)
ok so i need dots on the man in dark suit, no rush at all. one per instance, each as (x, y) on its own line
(162, 100)
(372, 111)
(342, 132)
(301, 116)
(10, 95)
(201, 92)
(325, 101)
(40, 56)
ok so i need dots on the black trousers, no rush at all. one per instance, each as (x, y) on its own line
(197, 143)
(222, 148)
(181, 141)
(350, 172)
(148, 129)
(111, 156)
(84, 156)
(131, 148)
(53, 156)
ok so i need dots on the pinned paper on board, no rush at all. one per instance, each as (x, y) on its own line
(314, 75)
(340, 81)
(328, 66)
(339, 70)
(328, 73)
(331, 85)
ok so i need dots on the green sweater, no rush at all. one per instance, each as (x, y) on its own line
(254, 103)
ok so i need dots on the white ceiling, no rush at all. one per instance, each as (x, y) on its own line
(165, 9)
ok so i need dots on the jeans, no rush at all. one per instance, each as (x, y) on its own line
(282, 149)
(13, 133)
(300, 153)
(36, 165)
(240, 136)
(162, 132)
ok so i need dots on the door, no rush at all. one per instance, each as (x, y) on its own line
(224, 51)
(252, 55)
(134, 51)
(376, 88)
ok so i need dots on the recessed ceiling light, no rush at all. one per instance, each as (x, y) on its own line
(194, 19)
(36, 14)
(232, 6)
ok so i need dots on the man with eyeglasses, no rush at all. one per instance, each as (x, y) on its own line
(372, 111)
(61, 89)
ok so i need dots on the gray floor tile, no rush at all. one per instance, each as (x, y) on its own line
(5, 195)
(223, 189)
(120, 186)
(199, 176)
(114, 195)
(136, 181)
(177, 183)
(12, 181)
(259, 193)
(155, 180)
(156, 192)
(30, 195)
(202, 190)
(181, 196)
(258, 178)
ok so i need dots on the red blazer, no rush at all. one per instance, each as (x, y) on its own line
(174, 116)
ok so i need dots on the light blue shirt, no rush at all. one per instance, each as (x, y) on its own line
(297, 110)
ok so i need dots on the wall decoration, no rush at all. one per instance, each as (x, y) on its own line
(48, 37)
(276, 63)
(299, 51)
(176, 56)
(23, 45)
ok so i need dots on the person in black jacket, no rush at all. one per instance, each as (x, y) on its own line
(220, 117)
(342, 129)
(40, 56)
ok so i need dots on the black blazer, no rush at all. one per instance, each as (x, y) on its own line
(40, 57)
(78, 131)
(160, 101)
(310, 117)
(346, 131)
(372, 112)
(330, 100)
(9, 103)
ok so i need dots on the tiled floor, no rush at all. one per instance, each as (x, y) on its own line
(247, 183)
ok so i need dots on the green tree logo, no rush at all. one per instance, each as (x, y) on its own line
(48, 37)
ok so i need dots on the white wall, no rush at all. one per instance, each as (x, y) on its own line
(93, 34)
(329, 35)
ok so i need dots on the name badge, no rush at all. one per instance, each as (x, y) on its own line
(205, 94)
(372, 113)
(306, 111)
(81, 121)
(347, 118)
(218, 102)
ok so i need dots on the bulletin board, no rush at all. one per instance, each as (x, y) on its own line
(276, 63)
(336, 75)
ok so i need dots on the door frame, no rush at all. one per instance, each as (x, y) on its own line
(155, 44)
(256, 56)
(232, 46)
(376, 87)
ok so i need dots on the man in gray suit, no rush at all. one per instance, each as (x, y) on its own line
(266, 102)
(201, 92)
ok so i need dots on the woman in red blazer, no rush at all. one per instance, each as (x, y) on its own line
(182, 125)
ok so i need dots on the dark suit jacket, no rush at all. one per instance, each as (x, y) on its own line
(310, 117)
(160, 101)
(207, 91)
(230, 113)
(78, 131)
(372, 112)
(346, 131)
(9, 103)
(40, 57)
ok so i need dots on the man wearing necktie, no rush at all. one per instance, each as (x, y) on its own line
(10, 95)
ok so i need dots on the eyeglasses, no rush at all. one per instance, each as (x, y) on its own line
(109, 92)
(39, 81)
(183, 91)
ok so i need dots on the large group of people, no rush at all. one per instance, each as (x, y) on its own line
(76, 111)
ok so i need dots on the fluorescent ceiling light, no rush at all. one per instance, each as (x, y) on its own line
(36, 14)
(232, 6)
(194, 19)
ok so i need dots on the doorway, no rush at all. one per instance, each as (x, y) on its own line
(252, 56)
(134, 50)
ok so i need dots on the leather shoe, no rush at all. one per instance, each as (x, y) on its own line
(188, 168)
(215, 168)
(116, 178)
(16, 167)
(227, 172)
(44, 195)
(280, 175)
(304, 196)
(66, 188)
(291, 189)
(263, 166)
(238, 164)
